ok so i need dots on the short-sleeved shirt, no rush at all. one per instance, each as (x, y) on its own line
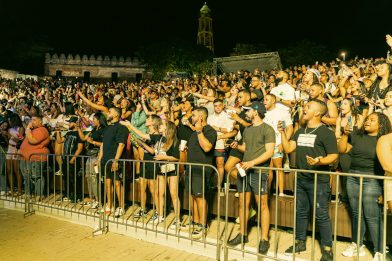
(363, 154)
(114, 135)
(273, 117)
(314, 142)
(285, 92)
(255, 138)
(196, 154)
(221, 120)
(71, 142)
(41, 134)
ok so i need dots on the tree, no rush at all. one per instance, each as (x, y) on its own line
(176, 55)
(304, 52)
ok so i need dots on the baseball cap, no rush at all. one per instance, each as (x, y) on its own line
(257, 106)
(73, 119)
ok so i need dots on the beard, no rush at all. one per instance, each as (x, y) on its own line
(110, 118)
(278, 80)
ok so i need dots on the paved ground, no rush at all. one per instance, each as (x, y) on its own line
(44, 238)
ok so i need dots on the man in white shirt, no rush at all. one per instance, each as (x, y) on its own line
(224, 126)
(284, 92)
(272, 118)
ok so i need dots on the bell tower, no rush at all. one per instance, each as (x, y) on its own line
(204, 34)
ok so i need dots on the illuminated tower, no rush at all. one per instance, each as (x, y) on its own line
(204, 34)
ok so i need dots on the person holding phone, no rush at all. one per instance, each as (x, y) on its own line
(364, 161)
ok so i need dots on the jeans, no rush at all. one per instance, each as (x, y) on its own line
(305, 202)
(371, 213)
(92, 178)
(33, 176)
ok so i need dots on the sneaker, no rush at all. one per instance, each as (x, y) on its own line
(189, 225)
(238, 240)
(252, 213)
(199, 231)
(154, 217)
(351, 250)
(94, 204)
(119, 212)
(140, 213)
(282, 195)
(380, 257)
(264, 246)
(2, 193)
(327, 254)
(300, 246)
(59, 173)
(175, 225)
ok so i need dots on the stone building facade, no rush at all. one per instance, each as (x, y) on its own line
(100, 68)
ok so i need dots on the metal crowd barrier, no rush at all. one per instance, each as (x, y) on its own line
(316, 174)
(143, 221)
(7, 182)
(51, 189)
(55, 187)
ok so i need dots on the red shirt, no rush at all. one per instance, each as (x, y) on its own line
(41, 134)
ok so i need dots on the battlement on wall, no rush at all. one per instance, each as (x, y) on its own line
(92, 60)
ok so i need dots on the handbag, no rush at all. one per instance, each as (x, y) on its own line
(93, 152)
(169, 167)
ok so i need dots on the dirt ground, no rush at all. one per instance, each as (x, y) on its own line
(44, 238)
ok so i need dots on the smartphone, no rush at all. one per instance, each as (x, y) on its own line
(350, 122)
(228, 142)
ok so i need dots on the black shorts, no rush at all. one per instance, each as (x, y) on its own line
(119, 174)
(196, 186)
(168, 174)
(149, 170)
(251, 182)
(237, 154)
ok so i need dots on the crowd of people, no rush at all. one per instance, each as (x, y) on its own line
(332, 116)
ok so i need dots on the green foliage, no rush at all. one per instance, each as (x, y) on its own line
(304, 52)
(176, 55)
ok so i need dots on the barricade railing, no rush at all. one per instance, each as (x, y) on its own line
(315, 181)
(51, 186)
(154, 172)
(59, 186)
(11, 180)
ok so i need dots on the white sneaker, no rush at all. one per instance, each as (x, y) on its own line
(287, 165)
(58, 173)
(378, 257)
(119, 212)
(351, 250)
(94, 205)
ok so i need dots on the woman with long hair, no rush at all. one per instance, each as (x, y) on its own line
(168, 150)
(94, 139)
(364, 160)
(148, 175)
(15, 135)
(349, 115)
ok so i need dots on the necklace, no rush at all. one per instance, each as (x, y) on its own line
(306, 128)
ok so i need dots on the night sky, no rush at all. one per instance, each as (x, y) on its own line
(119, 27)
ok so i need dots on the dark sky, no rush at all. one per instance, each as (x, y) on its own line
(117, 27)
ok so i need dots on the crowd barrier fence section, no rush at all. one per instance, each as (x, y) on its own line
(65, 190)
(316, 183)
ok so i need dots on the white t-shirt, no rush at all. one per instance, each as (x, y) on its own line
(221, 120)
(273, 117)
(285, 92)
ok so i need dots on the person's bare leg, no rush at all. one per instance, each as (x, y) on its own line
(173, 187)
(278, 163)
(230, 166)
(136, 156)
(161, 194)
(220, 166)
(270, 175)
(264, 215)
(120, 194)
(10, 175)
(109, 193)
(19, 177)
(202, 209)
(152, 186)
(195, 211)
(58, 150)
(143, 187)
(244, 204)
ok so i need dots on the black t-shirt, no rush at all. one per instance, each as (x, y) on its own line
(363, 153)
(184, 132)
(154, 139)
(314, 142)
(113, 135)
(71, 142)
(97, 135)
(196, 154)
(242, 115)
